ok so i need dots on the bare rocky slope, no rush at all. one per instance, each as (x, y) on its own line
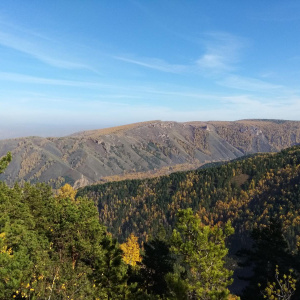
(92, 156)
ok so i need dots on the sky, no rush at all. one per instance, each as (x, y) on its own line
(74, 65)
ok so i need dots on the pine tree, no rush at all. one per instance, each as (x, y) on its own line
(4, 161)
(110, 272)
(156, 264)
(269, 250)
(201, 251)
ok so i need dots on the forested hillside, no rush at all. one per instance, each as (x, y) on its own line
(248, 192)
(259, 195)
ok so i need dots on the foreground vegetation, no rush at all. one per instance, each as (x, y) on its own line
(53, 247)
(175, 234)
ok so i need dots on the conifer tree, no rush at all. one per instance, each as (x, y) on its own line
(156, 264)
(201, 251)
(110, 272)
(269, 253)
(4, 161)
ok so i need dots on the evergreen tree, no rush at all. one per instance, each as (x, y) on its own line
(110, 273)
(201, 251)
(269, 250)
(4, 161)
(156, 264)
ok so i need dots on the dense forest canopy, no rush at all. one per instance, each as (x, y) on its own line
(248, 192)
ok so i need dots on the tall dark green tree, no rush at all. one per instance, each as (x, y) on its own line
(269, 250)
(110, 273)
(4, 161)
(156, 264)
(201, 251)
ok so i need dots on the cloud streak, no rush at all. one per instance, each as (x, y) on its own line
(15, 77)
(248, 84)
(222, 52)
(36, 45)
(154, 63)
(241, 107)
(133, 91)
(221, 55)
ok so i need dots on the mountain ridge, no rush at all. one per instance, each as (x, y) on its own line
(90, 156)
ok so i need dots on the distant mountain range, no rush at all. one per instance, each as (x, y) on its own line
(141, 150)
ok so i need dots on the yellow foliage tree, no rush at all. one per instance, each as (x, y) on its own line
(131, 250)
(67, 192)
(3, 248)
(282, 289)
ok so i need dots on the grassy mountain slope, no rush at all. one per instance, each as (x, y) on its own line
(91, 156)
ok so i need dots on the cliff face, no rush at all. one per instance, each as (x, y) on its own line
(87, 157)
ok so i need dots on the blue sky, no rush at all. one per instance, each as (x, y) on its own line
(73, 65)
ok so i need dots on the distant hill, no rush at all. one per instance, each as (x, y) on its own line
(147, 149)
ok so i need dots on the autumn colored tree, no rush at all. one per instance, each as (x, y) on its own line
(283, 288)
(131, 251)
(67, 191)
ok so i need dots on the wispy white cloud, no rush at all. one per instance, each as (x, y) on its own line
(15, 77)
(104, 92)
(154, 63)
(247, 107)
(222, 59)
(213, 62)
(37, 46)
(268, 74)
(222, 52)
(241, 107)
(133, 91)
(248, 84)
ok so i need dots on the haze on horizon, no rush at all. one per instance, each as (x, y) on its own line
(68, 66)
